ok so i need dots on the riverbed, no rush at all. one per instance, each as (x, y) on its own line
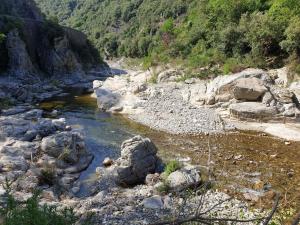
(239, 160)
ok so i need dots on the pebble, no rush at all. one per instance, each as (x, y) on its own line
(107, 162)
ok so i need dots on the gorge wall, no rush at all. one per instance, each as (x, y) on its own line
(32, 45)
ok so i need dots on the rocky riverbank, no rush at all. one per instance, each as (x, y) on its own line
(162, 99)
(47, 154)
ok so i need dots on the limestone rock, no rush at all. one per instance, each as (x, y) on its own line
(107, 162)
(249, 89)
(184, 178)
(67, 146)
(138, 158)
(168, 75)
(154, 202)
(252, 110)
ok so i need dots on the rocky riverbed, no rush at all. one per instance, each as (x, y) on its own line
(47, 154)
(194, 106)
(40, 150)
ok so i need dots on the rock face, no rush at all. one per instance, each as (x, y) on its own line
(252, 110)
(37, 151)
(249, 89)
(19, 61)
(37, 46)
(138, 159)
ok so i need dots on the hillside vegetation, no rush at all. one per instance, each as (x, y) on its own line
(232, 34)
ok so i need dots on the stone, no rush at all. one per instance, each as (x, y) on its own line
(184, 178)
(138, 159)
(139, 88)
(224, 85)
(169, 75)
(283, 95)
(252, 110)
(107, 162)
(97, 84)
(154, 202)
(251, 196)
(211, 99)
(67, 146)
(250, 89)
(152, 179)
(267, 98)
(106, 98)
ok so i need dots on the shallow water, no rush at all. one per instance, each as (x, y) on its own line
(239, 158)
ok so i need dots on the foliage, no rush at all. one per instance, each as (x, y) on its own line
(31, 212)
(171, 167)
(199, 33)
(5, 103)
(164, 188)
(48, 175)
(2, 37)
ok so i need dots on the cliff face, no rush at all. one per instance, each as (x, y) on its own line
(35, 46)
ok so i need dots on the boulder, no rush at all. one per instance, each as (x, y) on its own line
(295, 88)
(249, 89)
(184, 178)
(154, 202)
(169, 75)
(267, 98)
(283, 95)
(138, 159)
(106, 98)
(252, 110)
(97, 84)
(67, 146)
(107, 162)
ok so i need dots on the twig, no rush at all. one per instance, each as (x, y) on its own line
(275, 206)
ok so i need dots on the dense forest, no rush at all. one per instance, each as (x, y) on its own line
(231, 34)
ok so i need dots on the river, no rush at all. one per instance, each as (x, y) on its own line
(240, 159)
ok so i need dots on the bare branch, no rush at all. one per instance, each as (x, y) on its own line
(275, 206)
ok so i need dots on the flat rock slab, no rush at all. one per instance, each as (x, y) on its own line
(252, 110)
(154, 202)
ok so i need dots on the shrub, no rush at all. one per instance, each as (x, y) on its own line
(48, 175)
(164, 188)
(171, 167)
(30, 212)
(232, 65)
(5, 103)
(292, 42)
(2, 37)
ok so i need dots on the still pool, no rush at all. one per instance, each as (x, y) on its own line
(240, 159)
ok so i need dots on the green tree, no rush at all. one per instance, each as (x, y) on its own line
(292, 42)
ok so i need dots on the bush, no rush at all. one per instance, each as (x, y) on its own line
(31, 212)
(48, 175)
(171, 167)
(5, 103)
(2, 37)
(232, 65)
(292, 42)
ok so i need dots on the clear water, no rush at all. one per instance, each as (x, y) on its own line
(254, 152)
